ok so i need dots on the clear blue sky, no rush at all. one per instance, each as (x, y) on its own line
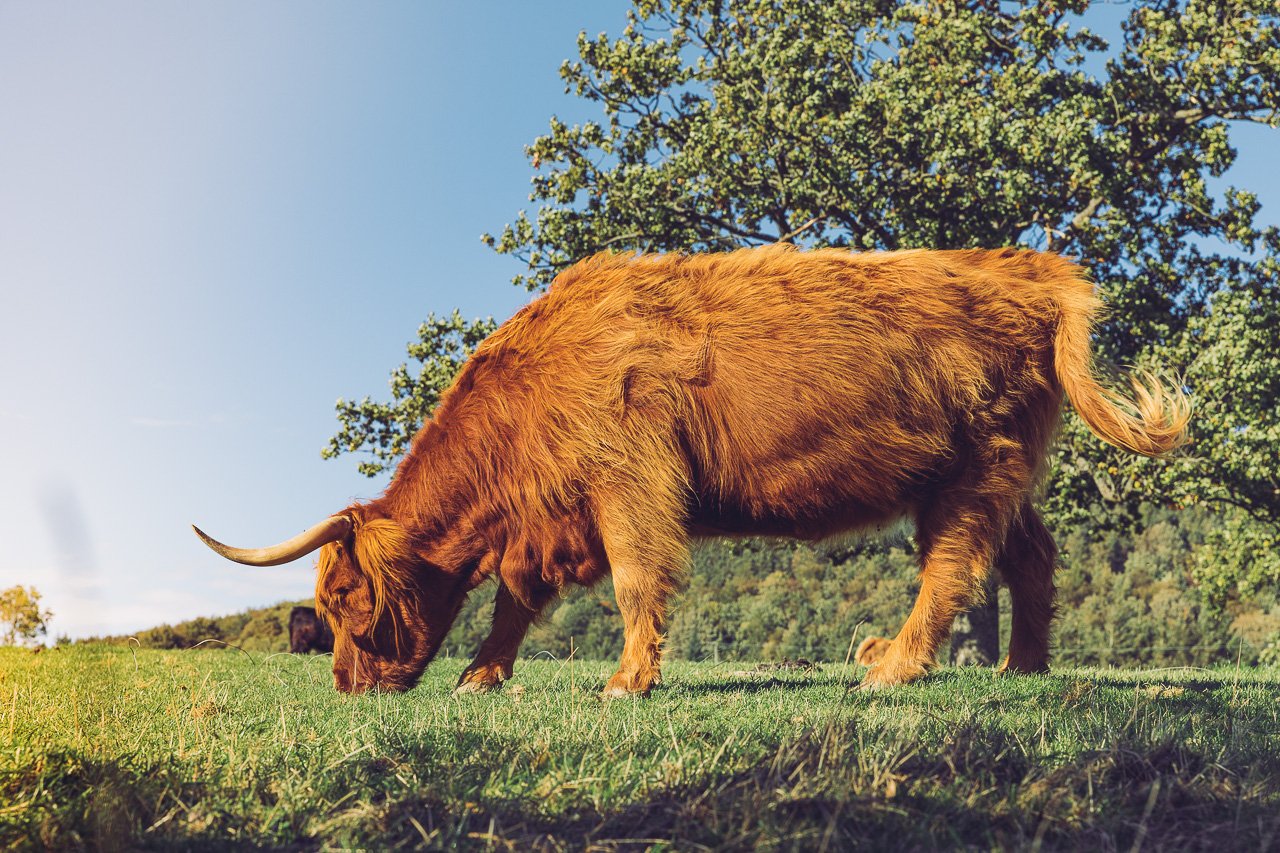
(215, 220)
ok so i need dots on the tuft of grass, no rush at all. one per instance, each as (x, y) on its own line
(103, 747)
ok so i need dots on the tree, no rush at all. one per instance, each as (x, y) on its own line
(877, 124)
(22, 621)
(1233, 357)
(384, 430)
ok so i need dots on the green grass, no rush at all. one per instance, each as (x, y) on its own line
(106, 748)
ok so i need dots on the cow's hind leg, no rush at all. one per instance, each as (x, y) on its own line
(959, 535)
(1027, 562)
(495, 660)
(871, 650)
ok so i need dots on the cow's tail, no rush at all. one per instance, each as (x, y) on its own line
(1151, 420)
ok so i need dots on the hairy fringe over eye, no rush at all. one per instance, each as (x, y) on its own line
(382, 551)
(328, 555)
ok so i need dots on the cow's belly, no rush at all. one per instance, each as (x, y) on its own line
(815, 510)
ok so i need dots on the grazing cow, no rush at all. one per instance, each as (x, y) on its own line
(644, 401)
(308, 632)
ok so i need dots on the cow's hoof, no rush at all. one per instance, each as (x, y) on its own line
(628, 687)
(872, 650)
(869, 686)
(482, 678)
(1024, 667)
(888, 674)
(623, 693)
(477, 686)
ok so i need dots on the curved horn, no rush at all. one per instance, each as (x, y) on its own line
(330, 530)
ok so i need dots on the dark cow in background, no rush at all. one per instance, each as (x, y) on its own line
(308, 632)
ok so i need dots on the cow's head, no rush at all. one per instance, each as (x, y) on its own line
(389, 605)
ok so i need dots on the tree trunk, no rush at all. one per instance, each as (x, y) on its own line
(975, 634)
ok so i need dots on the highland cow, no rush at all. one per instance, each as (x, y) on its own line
(308, 632)
(645, 401)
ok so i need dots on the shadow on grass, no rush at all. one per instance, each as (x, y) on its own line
(838, 786)
(746, 684)
(828, 790)
(752, 681)
(1199, 683)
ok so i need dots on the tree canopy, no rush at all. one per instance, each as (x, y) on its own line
(875, 124)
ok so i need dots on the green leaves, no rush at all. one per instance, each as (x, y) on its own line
(384, 430)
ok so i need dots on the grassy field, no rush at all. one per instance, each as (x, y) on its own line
(106, 748)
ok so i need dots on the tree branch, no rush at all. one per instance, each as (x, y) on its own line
(694, 217)
(1081, 219)
(796, 232)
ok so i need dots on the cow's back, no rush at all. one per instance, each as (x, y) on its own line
(806, 392)
(844, 391)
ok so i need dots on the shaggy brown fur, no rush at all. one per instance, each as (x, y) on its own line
(647, 400)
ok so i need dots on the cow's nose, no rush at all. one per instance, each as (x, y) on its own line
(346, 683)
(341, 681)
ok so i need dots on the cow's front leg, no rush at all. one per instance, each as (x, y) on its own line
(644, 615)
(647, 552)
(496, 659)
(641, 524)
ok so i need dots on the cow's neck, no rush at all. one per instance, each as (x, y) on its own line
(435, 495)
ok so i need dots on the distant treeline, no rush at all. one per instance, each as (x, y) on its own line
(1124, 600)
(264, 629)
